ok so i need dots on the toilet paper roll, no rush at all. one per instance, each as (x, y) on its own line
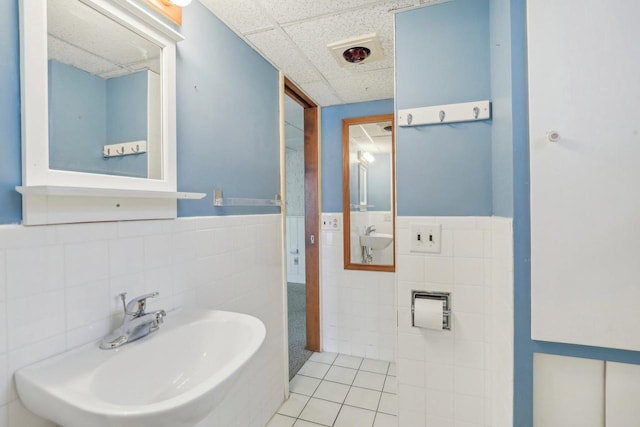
(428, 313)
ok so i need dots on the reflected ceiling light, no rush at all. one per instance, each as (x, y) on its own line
(368, 157)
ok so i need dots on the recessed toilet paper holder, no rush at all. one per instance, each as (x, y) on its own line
(442, 296)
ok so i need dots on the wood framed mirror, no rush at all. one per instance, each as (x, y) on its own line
(368, 193)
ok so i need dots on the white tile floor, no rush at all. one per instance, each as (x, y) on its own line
(337, 390)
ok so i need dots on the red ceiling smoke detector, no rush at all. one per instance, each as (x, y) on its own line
(357, 50)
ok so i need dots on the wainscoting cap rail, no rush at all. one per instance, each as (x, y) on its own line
(219, 200)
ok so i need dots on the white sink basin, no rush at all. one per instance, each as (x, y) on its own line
(172, 378)
(376, 240)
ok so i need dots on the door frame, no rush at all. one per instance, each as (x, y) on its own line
(311, 210)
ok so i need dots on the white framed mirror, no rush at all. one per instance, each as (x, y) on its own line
(104, 94)
(98, 111)
(368, 193)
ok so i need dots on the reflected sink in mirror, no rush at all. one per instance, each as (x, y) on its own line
(173, 378)
(368, 193)
(376, 241)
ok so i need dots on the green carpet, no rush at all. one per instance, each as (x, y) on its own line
(298, 354)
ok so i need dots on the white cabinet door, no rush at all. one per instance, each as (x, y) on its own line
(585, 209)
(623, 395)
(568, 391)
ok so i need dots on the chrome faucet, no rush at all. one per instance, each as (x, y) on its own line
(136, 322)
(370, 229)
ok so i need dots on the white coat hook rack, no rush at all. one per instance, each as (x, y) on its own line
(219, 200)
(449, 113)
(124, 149)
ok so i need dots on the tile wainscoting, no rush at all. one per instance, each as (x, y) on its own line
(358, 307)
(462, 377)
(58, 287)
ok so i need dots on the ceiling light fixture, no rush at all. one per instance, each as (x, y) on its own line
(356, 54)
(180, 3)
(357, 50)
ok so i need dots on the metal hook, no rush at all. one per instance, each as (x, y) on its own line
(442, 114)
(409, 118)
(137, 149)
(121, 151)
(476, 112)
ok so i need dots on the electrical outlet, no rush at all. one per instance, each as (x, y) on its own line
(331, 223)
(426, 238)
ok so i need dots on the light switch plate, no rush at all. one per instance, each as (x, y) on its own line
(331, 222)
(426, 238)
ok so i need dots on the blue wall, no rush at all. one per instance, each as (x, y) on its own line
(379, 183)
(227, 114)
(87, 112)
(331, 134)
(10, 171)
(127, 118)
(77, 118)
(501, 106)
(228, 117)
(524, 345)
(442, 57)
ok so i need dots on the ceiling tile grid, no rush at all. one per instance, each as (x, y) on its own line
(242, 16)
(369, 86)
(86, 39)
(291, 11)
(322, 93)
(280, 49)
(294, 34)
(76, 57)
(314, 36)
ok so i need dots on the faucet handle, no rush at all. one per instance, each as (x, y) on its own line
(137, 305)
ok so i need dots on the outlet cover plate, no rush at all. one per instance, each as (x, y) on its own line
(426, 238)
(331, 222)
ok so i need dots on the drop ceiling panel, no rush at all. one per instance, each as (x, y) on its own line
(288, 11)
(322, 93)
(243, 16)
(275, 45)
(78, 58)
(314, 36)
(369, 86)
(294, 34)
(88, 39)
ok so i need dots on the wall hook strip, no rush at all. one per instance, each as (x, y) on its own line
(449, 113)
(124, 149)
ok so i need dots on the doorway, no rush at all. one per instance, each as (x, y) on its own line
(302, 221)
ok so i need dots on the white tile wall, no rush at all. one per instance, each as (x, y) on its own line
(501, 322)
(461, 377)
(358, 307)
(58, 287)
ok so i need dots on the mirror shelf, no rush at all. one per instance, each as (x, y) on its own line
(52, 190)
(51, 194)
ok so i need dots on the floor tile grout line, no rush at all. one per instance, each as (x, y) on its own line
(351, 385)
